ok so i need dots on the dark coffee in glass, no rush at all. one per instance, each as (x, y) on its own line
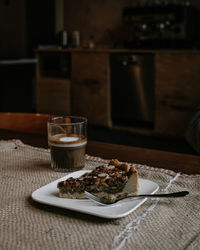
(67, 141)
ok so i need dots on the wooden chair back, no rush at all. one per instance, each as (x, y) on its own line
(32, 123)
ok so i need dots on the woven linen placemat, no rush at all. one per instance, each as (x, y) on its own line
(26, 224)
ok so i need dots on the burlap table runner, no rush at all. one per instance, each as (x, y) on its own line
(25, 224)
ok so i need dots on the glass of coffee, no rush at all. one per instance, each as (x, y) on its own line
(67, 139)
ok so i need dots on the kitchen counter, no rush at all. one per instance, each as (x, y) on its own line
(18, 61)
(122, 50)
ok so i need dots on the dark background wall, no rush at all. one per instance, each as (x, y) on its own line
(26, 23)
(23, 25)
(12, 29)
(100, 18)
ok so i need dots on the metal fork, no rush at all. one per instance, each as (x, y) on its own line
(103, 201)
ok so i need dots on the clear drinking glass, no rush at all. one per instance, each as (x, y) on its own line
(67, 139)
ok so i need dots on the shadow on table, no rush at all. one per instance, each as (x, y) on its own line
(73, 214)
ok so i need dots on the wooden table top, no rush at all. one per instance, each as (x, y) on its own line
(179, 162)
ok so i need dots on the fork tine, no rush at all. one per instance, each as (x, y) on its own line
(95, 198)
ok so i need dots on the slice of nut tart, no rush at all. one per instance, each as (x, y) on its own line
(113, 181)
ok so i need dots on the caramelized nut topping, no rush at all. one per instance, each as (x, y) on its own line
(124, 166)
(114, 162)
(102, 175)
(111, 178)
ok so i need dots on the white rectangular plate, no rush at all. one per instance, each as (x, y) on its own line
(48, 194)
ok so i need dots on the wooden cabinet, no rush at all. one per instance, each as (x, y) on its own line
(87, 93)
(177, 91)
(90, 87)
(52, 93)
